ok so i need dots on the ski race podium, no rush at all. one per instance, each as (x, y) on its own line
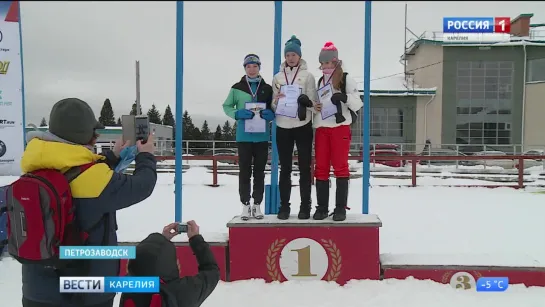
(280, 250)
(295, 249)
(305, 250)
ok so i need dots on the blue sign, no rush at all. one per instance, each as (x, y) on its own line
(131, 284)
(492, 284)
(97, 252)
(468, 25)
(126, 284)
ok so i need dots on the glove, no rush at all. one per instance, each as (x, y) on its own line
(304, 101)
(126, 157)
(244, 114)
(267, 114)
(337, 98)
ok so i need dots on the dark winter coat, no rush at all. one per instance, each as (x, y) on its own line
(98, 192)
(156, 256)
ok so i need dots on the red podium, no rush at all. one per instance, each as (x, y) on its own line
(294, 249)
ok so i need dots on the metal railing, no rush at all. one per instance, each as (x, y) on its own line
(210, 148)
(414, 161)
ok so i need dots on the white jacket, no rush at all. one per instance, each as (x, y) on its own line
(353, 103)
(306, 81)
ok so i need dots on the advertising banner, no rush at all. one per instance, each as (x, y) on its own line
(11, 90)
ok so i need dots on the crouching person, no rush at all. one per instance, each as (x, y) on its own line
(156, 256)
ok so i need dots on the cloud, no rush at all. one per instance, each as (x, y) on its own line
(88, 49)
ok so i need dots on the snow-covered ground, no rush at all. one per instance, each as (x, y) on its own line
(440, 224)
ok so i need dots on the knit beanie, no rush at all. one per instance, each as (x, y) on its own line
(251, 59)
(293, 45)
(329, 53)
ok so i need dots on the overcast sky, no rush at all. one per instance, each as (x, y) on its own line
(87, 50)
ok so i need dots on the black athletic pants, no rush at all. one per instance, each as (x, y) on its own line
(252, 155)
(27, 303)
(285, 139)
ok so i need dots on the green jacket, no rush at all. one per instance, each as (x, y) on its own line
(238, 96)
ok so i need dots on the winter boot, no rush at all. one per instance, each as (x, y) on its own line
(246, 212)
(341, 199)
(256, 211)
(322, 197)
(304, 212)
(284, 212)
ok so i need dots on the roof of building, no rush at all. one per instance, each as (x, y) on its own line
(106, 130)
(436, 38)
(109, 128)
(395, 86)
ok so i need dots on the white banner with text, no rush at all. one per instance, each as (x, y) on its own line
(11, 90)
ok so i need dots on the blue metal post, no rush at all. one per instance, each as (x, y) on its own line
(273, 195)
(22, 74)
(366, 108)
(179, 108)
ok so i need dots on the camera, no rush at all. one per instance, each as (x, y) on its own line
(182, 228)
(135, 128)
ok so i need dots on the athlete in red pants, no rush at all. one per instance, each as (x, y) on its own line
(333, 135)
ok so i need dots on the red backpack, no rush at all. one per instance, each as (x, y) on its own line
(41, 216)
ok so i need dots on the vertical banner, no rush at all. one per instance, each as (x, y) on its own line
(11, 90)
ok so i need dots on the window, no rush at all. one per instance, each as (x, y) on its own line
(484, 102)
(387, 122)
(536, 70)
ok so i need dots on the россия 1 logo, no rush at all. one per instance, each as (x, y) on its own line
(476, 25)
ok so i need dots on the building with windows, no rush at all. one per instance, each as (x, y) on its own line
(486, 93)
(397, 109)
(107, 136)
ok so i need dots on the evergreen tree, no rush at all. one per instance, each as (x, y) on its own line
(233, 135)
(187, 127)
(205, 131)
(226, 131)
(119, 124)
(133, 109)
(218, 134)
(196, 135)
(168, 118)
(154, 115)
(43, 123)
(107, 117)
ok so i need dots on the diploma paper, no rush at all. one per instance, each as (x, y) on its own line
(287, 106)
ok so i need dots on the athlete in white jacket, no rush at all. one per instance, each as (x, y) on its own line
(295, 131)
(333, 134)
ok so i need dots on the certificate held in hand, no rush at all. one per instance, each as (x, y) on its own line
(328, 108)
(287, 105)
(256, 124)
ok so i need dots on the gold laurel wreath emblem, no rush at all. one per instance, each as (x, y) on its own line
(448, 275)
(272, 256)
(336, 260)
(276, 247)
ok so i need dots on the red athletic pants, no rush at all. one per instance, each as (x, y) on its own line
(332, 146)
